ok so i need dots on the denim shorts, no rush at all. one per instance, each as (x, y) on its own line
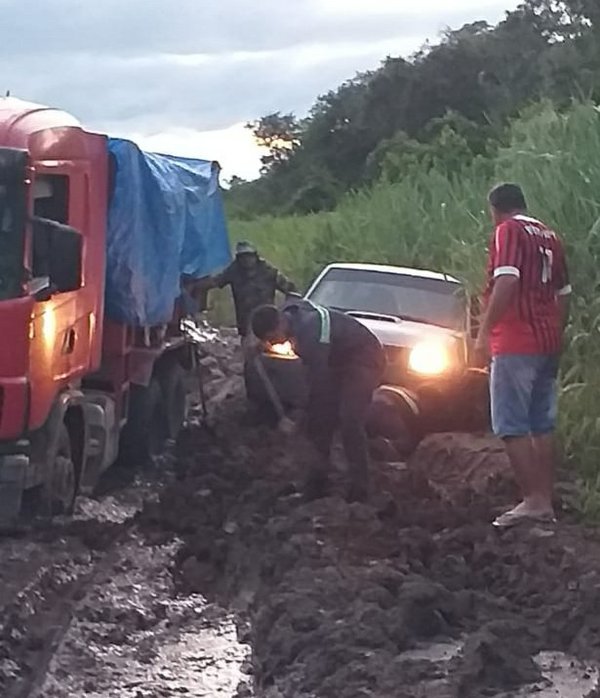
(523, 390)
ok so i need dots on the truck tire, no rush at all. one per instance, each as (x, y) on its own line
(146, 430)
(173, 385)
(59, 489)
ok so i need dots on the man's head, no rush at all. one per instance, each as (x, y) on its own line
(505, 200)
(269, 324)
(246, 254)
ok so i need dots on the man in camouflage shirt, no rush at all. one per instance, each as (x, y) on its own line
(253, 283)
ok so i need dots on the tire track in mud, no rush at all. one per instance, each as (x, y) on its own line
(38, 615)
(97, 614)
(71, 610)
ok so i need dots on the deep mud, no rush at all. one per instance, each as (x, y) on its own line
(353, 600)
(216, 578)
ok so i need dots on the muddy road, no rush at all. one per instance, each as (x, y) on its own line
(210, 576)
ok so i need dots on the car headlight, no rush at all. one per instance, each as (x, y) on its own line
(429, 359)
(281, 350)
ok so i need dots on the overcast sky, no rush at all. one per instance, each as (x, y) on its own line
(183, 76)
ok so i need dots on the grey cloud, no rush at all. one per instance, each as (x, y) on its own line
(158, 93)
(147, 65)
(133, 27)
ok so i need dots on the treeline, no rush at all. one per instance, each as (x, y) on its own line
(444, 107)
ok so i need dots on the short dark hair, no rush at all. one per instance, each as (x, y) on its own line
(507, 198)
(265, 319)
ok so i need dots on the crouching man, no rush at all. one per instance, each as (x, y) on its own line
(345, 364)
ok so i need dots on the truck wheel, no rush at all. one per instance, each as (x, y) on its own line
(59, 488)
(146, 430)
(173, 384)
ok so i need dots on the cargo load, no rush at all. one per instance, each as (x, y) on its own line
(165, 220)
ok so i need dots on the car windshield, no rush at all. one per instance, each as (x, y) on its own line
(418, 298)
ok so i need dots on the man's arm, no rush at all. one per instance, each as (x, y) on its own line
(506, 272)
(198, 289)
(283, 284)
(505, 288)
(221, 280)
(563, 289)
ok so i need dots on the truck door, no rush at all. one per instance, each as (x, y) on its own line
(56, 253)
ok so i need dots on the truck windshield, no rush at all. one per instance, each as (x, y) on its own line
(417, 298)
(13, 215)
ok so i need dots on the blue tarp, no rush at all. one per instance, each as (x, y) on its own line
(165, 219)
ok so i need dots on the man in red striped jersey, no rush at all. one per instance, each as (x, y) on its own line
(526, 311)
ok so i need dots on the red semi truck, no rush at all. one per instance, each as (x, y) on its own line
(76, 386)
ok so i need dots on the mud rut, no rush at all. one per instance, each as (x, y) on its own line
(212, 577)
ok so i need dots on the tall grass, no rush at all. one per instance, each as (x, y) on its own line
(433, 221)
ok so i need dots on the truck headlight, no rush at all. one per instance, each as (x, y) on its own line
(429, 358)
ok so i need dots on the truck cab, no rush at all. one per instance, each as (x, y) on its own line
(73, 384)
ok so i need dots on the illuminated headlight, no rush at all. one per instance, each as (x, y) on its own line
(429, 358)
(282, 350)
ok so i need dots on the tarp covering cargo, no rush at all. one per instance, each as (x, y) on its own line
(165, 219)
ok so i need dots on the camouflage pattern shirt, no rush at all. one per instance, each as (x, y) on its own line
(252, 288)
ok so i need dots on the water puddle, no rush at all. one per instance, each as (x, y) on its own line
(564, 676)
(130, 636)
(203, 661)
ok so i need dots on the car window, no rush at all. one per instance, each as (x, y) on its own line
(435, 301)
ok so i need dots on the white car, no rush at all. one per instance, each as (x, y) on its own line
(426, 322)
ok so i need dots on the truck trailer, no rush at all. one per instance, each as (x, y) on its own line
(95, 239)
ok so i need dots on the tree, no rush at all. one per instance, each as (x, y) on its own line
(442, 107)
(279, 134)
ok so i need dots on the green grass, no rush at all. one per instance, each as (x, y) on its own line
(436, 222)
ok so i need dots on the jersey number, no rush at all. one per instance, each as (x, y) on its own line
(547, 260)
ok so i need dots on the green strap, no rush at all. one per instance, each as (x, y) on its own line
(325, 322)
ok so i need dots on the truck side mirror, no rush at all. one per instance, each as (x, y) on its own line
(40, 288)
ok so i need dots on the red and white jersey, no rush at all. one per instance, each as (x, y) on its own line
(524, 247)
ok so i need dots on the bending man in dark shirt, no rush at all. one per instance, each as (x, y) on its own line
(345, 362)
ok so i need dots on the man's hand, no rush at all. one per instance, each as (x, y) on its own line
(286, 426)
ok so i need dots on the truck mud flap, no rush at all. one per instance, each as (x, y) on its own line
(13, 469)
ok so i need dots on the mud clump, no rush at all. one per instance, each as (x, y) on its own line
(499, 656)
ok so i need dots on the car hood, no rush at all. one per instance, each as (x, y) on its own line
(405, 333)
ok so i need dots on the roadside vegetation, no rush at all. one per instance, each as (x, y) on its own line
(418, 196)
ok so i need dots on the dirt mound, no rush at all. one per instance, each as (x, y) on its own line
(339, 600)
